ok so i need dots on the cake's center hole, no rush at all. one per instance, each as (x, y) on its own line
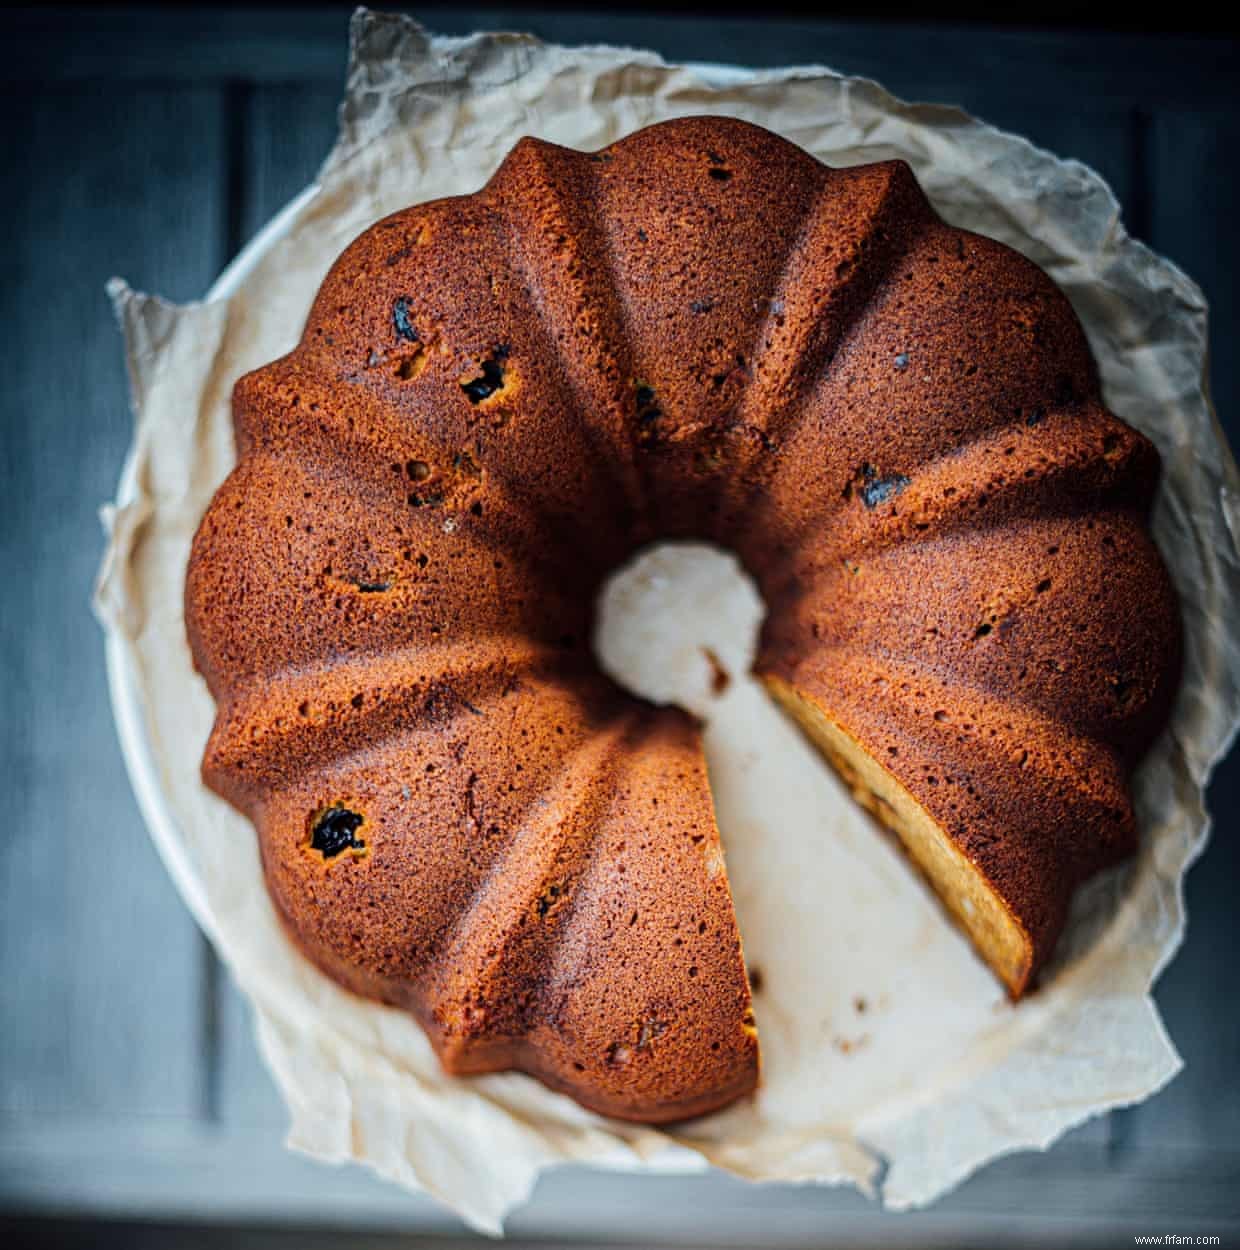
(678, 624)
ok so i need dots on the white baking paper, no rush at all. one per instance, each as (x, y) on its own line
(888, 1049)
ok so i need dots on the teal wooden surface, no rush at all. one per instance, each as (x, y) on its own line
(105, 965)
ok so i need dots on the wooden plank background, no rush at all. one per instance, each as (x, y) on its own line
(153, 144)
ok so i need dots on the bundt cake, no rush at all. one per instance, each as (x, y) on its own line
(701, 332)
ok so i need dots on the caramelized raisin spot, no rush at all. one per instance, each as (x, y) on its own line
(402, 320)
(333, 832)
(874, 489)
(489, 380)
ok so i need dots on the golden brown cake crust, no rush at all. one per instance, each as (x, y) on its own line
(700, 331)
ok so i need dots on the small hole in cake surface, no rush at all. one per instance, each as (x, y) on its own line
(677, 623)
(411, 367)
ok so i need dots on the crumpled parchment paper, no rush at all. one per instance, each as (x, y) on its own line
(885, 1041)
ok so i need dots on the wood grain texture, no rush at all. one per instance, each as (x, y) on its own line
(974, 65)
(288, 132)
(142, 1168)
(1193, 214)
(104, 1014)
